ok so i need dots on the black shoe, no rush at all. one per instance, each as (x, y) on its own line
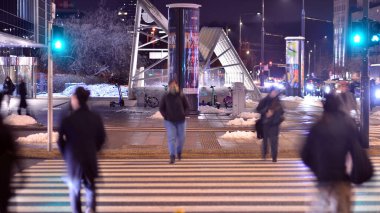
(172, 159)
(274, 160)
(179, 155)
(19, 111)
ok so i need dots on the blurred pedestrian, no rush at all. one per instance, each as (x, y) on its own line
(272, 115)
(347, 100)
(8, 89)
(22, 92)
(7, 161)
(325, 152)
(174, 107)
(81, 136)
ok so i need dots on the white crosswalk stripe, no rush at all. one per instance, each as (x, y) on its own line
(192, 185)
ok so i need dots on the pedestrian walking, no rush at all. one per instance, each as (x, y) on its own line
(325, 153)
(174, 107)
(81, 136)
(8, 89)
(7, 162)
(272, 115)
(347, 101)
(22, 91)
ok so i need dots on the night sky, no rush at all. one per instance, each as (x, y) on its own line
(283, 17)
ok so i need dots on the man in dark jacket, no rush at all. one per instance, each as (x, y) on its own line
(7, 161)
(81, 136)
(8, 89)
(173, 108)
(272, 115)
(326, 150)
(22, 92)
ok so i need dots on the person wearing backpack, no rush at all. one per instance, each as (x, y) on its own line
(8, 89)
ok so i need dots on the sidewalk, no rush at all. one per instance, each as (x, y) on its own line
(131, 134)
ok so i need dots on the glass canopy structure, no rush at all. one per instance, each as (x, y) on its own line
(220, 64)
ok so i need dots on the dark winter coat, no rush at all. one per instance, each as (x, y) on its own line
(8, 87)
(174, 107)
(22, 92)
(7, 161)
(81, 136)
(273, 104)
(327, 145)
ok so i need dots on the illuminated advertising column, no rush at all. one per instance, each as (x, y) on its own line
(295, 65)
(183, 50)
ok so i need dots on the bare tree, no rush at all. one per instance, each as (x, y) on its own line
(97, 44)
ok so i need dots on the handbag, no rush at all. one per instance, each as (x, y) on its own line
(259, 128)
(362, 168)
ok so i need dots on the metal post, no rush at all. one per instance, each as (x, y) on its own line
(50, 80)
(315, 57)
(308, 72)
(262, 31)
(135, 49)
(364, 90)
(240, 25)
(303, 19)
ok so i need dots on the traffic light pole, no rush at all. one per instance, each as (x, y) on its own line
(50, 81)
(364, 90)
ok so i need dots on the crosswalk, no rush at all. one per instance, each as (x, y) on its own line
(191, 185)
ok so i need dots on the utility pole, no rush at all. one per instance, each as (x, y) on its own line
(262, 32)
(315, 57)
(303, 17)
(50, 79)
(364, 84)
(240, 25)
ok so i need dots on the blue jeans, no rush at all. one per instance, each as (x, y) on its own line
(176, 136)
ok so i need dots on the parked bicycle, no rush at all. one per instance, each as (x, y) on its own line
(228, 103)
(214, 99)
(150, 101)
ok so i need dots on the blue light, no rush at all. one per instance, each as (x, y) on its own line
(357, 38)
(375, 38)
(377, 94)
(58, 45)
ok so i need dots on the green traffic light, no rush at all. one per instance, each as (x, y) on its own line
(357, 39)
(58, 45)
(375, 38)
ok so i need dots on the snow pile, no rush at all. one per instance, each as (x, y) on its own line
(249, 115)
(37, 138)
(209, 109)
(241, 122)
(19, 120)
(292, 98)
(238, 135)
(313, 101)
(98, 90)
(157, 116)
(250, 103)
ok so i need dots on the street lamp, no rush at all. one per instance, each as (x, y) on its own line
(308, 72)
(228, 30)
(240, 28)
(247, 52)
(240, 25)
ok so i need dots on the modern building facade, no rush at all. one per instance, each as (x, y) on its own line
(127, 11)
(346, 57)
(23, 29)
